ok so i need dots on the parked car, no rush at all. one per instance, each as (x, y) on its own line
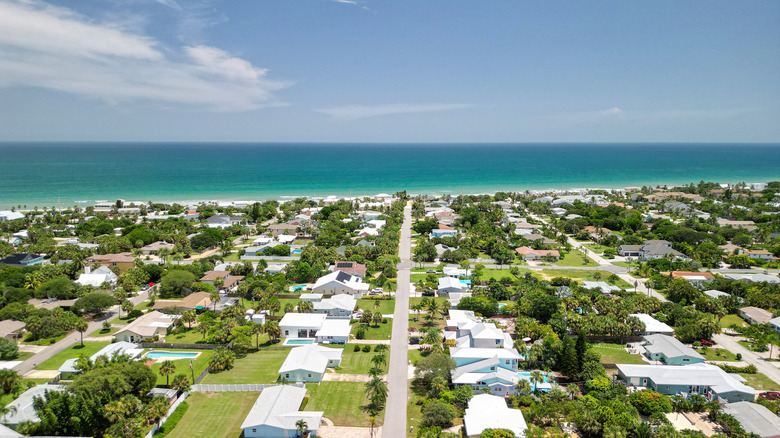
(770, 395)
(414, 340)
(428, 293)
(430, 271)
(707, 343)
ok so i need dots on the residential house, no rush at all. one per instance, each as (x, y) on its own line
(715, 294)
(450, 271)
(704, 379)
(221, 221)
(536, 237)
(774, 323)
(340, 283)
(603, 286)
(315, 326)
(257, 318)
(670, 351)
(277, 229)
(8, 215)
(155, 247)
(352, 268)
(275, 268)
(754, 315)
(747, 225)
(754, 278)
(98, 277)
(276, 412)
(528, 253)
(146, 327)
(652, 325)
(338, 306)
(679, 207)
(650, 250)
(367, 231)
(309, 363)
(487, 411)
(450, 284)
(195, 300)
(314, 298)
(69, 369)
(481, 335)
(694, 277)
(11, 329)
(757, 254)
(123, 260)
(229, 281)
(454, 297)
(23, 259)
(21, 410)
(754, 418)
(492, 368)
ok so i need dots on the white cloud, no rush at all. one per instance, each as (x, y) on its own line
(349, 2)
(354, 112)
(55, 48)
(616, 114)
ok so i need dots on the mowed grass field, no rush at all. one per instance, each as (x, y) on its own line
(214, 414)
(257, 367)
(358, 362)
(615, 353)
(342, 402)
(73, 351)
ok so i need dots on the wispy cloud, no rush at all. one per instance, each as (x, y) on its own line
(616, 114)
(56, 48)
(354, 112)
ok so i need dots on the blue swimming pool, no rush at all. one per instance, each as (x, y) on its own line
(157, 354)
(465, 281)
(527, 376)
(297, 251)
(298, 287)
(298, 341)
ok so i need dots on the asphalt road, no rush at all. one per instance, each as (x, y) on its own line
(764, 367)
(397, 394)
(27, 366)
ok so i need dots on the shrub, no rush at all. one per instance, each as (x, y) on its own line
(8, 349)
(750, 369)
(366, 348)
(135, 313)
(361, 333)
(436, 413)
(357, 347)
(384, 320)
(648, 402)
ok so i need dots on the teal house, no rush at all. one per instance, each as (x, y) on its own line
(670, 351)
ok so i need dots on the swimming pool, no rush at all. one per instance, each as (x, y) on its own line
(298, 287)
(298, 341)
(175, 355)
(297, 251)
(543, 386)
(465, 281)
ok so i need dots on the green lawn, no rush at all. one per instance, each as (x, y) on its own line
(416, 355)
(5, 399)
(76, 350)
(386, 307)
(595, 247)
(728, 320)
(575, 258)
(183, 365)
(418, 300)
(101, 332)
(214, 414)
(46, 341)
(342, 402)
(712, 354)
(760, 382)
(621, 264)
(258, 367)
(23, 355)
(381, 332)
(615, 353)
(358, 362)
(577, 274)
(188, 336)
(497, 274)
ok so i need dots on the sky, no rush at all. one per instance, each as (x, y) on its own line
(390, 71)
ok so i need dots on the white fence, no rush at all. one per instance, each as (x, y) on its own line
(248, 387)
(170, 411)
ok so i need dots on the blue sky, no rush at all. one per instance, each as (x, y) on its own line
(390, 71)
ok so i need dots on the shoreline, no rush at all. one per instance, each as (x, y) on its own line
(238, 199)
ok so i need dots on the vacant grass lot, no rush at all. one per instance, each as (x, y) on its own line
(728, 320)
(760, 382)
(378, 333)
(214, 414)
(717, 354)
(615, 353)
(73, 351)
(183, 365)
(258, 367)
(386, 307)
(358, 362)
(342, 402)
(575, 258)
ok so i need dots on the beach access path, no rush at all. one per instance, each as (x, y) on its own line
(73, 338)
(397, 376)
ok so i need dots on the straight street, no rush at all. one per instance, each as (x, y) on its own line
(397, 391)
(73, 338)
(764, 367)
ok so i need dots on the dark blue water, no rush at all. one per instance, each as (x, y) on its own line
(41, 173)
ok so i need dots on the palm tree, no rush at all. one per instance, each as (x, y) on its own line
(536, 378)
(167, 369)
(81, 327)
(523, 386)
(305, 307)
(376, 391)
(289, 307)
(189, 317)
(9, 380)
(271, 328)
(302, 428)
(379, 360)
(214, 297)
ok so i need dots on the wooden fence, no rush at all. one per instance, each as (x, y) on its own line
(180, 346)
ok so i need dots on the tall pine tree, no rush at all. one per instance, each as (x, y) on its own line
(569, 364)
(582, 348)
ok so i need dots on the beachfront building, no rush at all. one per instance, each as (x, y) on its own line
(308, 363)
(670, 351)
(98, 277)
(276, 412)
(145, 328)
(221, 221)
(23, 259)
(652, 325)
(8, 215)
(703, 379)
(315, 326)
(338, 306)
(340, 283)
(487, 411)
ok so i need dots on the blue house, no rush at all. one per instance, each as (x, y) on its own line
(670, 351)
(703, 379)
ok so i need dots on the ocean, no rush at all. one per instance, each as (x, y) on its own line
(66, 174)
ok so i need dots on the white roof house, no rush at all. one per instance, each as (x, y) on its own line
(753, 278)
(300, 321)
(755, 418)
(715, 294)
(652, 325)
(117, 348)
(147, 326)
(336, 306)
(276, 411)
(339, 282)
(487, 411)
(309, 362)
(95, 278)
(603, 285)
(450, 284)
(315, 325)
(8, 215)
(23, 405)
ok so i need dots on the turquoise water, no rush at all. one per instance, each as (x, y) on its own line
(465, 281)
(81, 173)
(157, 354)
(299, 341)
(298, 287)
(527, 376)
